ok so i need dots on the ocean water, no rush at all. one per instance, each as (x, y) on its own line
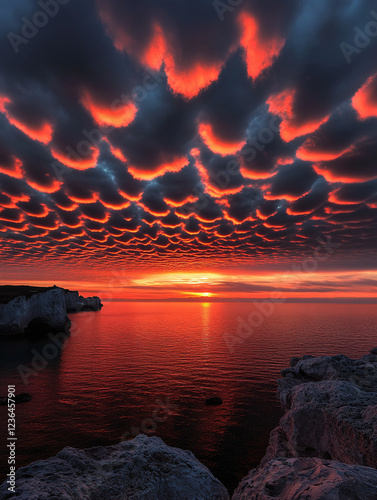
(149, 367)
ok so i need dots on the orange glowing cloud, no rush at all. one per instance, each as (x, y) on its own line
(309, 151)
(116, 206)
(71, 208)
(287, 197)
(176, 204)
(41, 132)
(208, 218)
(76, 161)
(43, 213)
(15, 217)
(187, 81)
(115, 115)
(209, 184)
(283, 105)
(156, 213)
(15, 170)
(129, 197)
(192, 80)
(20, 197)
(102, 219)
(7, 202)
(365, 99)
(153, 55)
(217, 145)
(3, 102)
(44, 223)
(249, 173)
(295, 211)
(147, 174)
(51, 187)
(348, 178)
(260, 53)
(336, 197)
(262, 216)
(116, 151)
(88, 199)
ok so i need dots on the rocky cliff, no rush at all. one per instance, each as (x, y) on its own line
(330, 405)
(41, 310)
(326, 444)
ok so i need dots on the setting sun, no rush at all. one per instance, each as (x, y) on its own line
(199, 294)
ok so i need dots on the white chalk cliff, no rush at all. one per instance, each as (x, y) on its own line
(45, 310)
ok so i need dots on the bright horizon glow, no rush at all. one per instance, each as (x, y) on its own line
(226, 285)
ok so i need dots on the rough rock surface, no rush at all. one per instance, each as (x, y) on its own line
(330, 405)
(46, 310)
(142, 469)
(309, 479)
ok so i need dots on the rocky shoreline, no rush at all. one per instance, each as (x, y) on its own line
(27, 310)
(325, 447)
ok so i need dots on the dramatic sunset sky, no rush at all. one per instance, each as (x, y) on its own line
(190, 149)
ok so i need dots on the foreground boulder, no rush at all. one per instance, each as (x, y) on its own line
(142, 469)
(309, 479)
(40, 310)
(330, 405)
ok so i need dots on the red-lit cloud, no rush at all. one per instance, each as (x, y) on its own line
(260, 52)
(14, 169)
(185, 79)
(283, 105)
(191, 80)
(117, 114)
(216, 144)
(51, 186)
(75, 160)
(41, 132)
(310, 151)
(194, 170)
(150, 173)
(365, 99)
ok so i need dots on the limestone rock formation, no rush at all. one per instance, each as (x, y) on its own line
(309, 479)
(142, 469)
(39, 311)
(330, 405)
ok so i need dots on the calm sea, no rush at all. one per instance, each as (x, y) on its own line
(149, 367)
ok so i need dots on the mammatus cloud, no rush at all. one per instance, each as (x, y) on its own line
(365, 99)
(162, 131)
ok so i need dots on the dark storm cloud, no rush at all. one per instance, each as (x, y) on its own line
(160, 134)
(229, 102)
(161, 128)
(243, 204)
(358, 164)
(316, 198)
(292, 181)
